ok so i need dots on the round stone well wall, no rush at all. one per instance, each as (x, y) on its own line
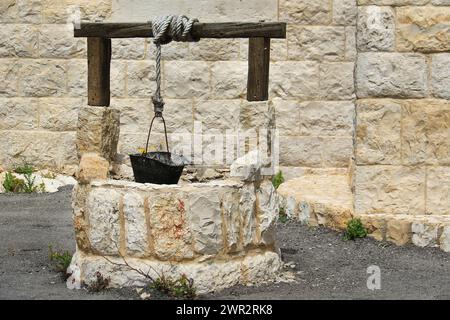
(220, 233)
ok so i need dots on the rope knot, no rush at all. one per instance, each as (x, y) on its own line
(168, 28)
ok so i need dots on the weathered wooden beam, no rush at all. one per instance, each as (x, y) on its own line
(258, 69)
(99, 62)
(199, 30)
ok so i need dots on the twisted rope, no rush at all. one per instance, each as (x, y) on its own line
(165, 29)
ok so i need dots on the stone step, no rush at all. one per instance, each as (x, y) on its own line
(420, 230)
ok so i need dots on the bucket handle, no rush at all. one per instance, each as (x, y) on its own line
(157, 115)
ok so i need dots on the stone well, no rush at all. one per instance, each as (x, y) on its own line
(219, 233)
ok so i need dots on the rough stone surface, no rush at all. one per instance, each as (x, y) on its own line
(378, 132)
(189, 227)
(323, 198)
(424, 29)
(389, 189)
(376, 29)
(103, 207)
(92, 167)
(440, 75)
(98, 131)
(391, 75)
(398, 232)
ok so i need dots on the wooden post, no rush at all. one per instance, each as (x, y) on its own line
(99, 63)
(258, 69)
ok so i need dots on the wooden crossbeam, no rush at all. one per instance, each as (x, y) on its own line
(199, 30)
(99, 51)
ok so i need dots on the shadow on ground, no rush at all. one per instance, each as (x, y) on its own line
(326, 267)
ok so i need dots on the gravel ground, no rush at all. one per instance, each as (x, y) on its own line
(326, 267)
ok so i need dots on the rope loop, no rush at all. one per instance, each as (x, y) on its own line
(165, 29)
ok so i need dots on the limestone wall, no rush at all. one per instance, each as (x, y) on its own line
(43, 77)
(403, 117)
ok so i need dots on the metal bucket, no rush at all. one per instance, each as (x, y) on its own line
(157, 167)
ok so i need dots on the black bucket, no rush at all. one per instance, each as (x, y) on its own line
(156, 167)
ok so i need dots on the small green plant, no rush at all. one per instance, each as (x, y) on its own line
(278, 179)
(283, 217)
(26, 169)
(183, 287)
(355, 229)
(60, 260)
(12, 183)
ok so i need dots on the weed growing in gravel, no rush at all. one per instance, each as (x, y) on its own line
(178, 288)
(12, 183)
(60, 260)
(355, 229)
(278, 179)
(282, 217)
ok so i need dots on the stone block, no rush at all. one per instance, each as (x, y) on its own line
(247, 205)
(398, 232)
(376, 29)
(291, 79)
(77, 78)
(8, 11)
(425, 132)
(267, 212)
(103, 207)
(440, 75)
(319, 43)
(313, 151)
(186, 79)
(344, 12)
(218, 114)
(391, 75)
(438, 191)
(59, 11)
(287, 116)
(306, 12)
(444, 239)
(9, 76)
(92, 167)
(59, 114)
(337, 81)
(18, 40)
(325, 118)
(215, 49)
(57, 41)
(389, 189)
(205, 222)
(18, 114)
(43, 78)
(141, 77)
(128, 49)
(378, 132)
(136, 233)
(171, 231)
(229, 80)
(98, 131)
(423, 29)
(424, 234)
(48, 150)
